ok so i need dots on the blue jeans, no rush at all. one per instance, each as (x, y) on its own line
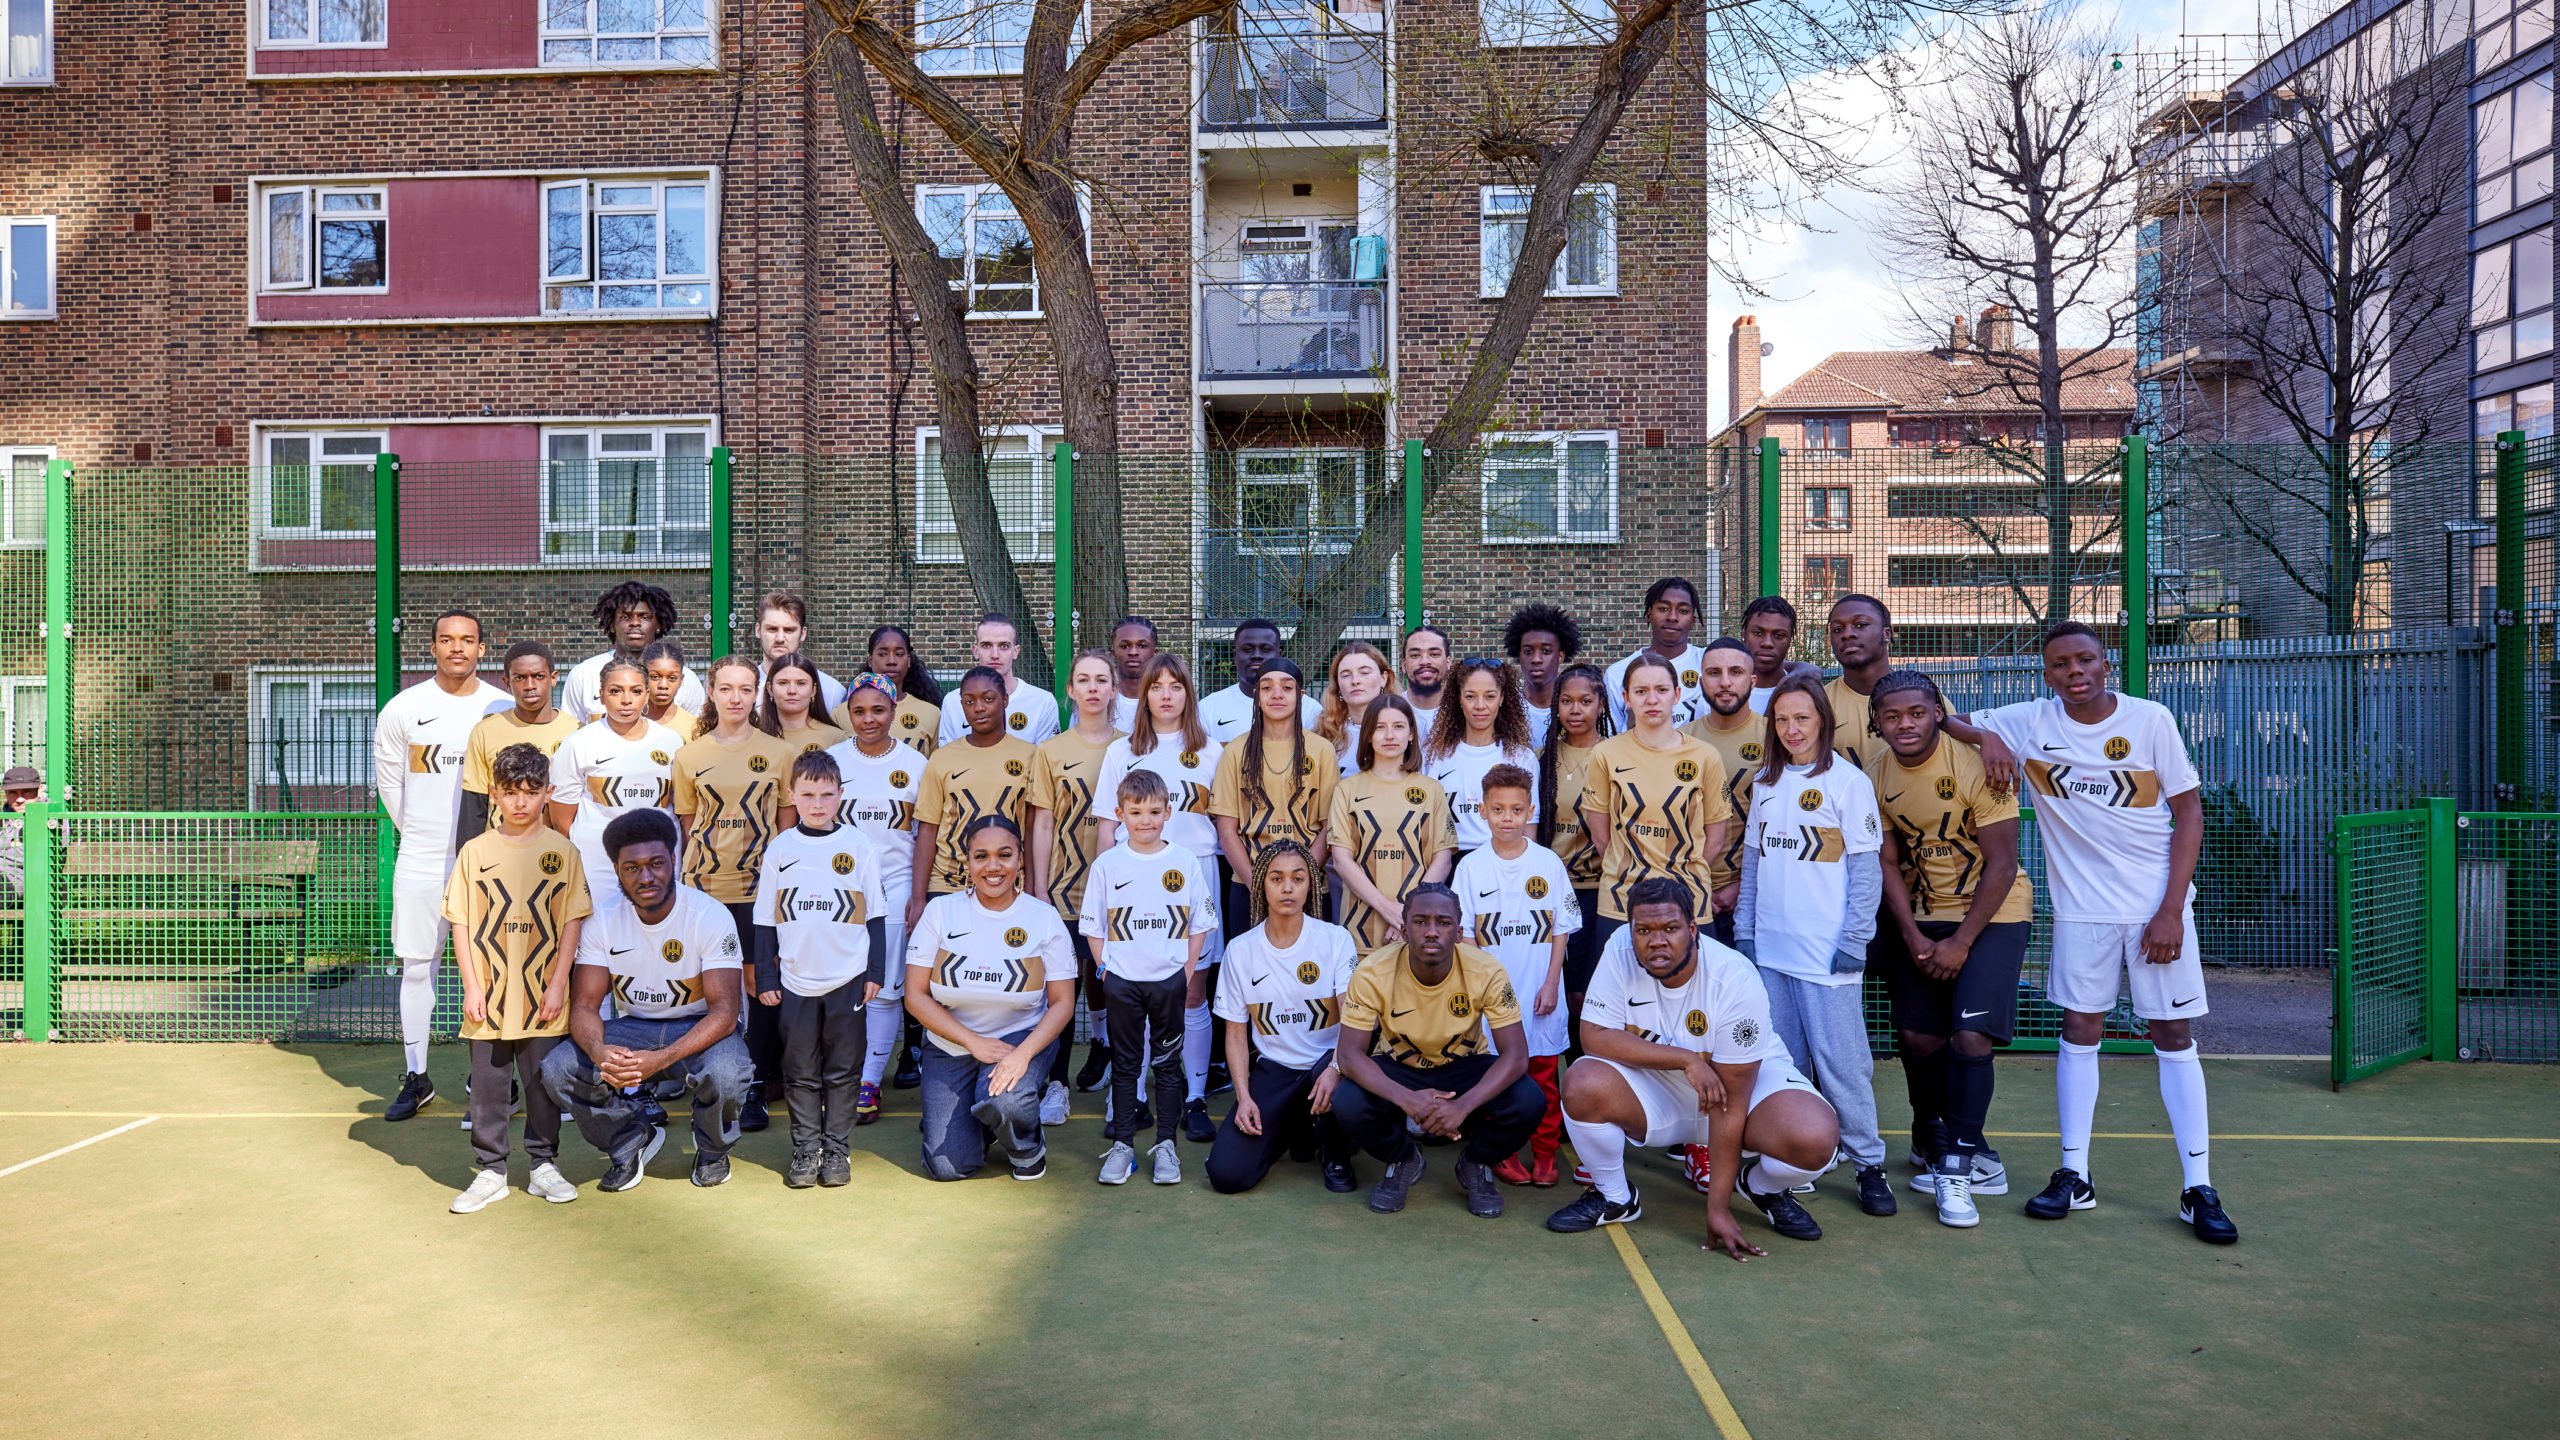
(960, 1117)
(717, 1078)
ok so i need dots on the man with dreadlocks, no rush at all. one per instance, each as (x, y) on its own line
(1957, 914)
(631, 615)
(1282, 1001)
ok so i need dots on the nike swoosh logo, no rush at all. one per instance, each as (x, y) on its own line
(2193, 1153)
(1261, 979)
(1890, 799)
(617, 950)
(1487, 894)
(956, 774)
(1119, 884)
(955, 935)
(2182, 1004)
(1398, 1014)
(787, 864)
(485, 869)
(1639, 1002)
(1970, 1014)
(2053, 747)
(1622, 769)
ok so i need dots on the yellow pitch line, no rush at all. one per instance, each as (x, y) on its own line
(1683, 1347)
(76, 1145)
(2219, 1137)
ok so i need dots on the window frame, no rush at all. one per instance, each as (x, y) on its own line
(1489, 288)
(262, 481)
(1309, 459)
(311, 40)
(975, 13)
(1560, 24)
(967, 286)
(11, 686)
(10, 455)
(9, 226)
(657, 556)
(546, 35)
(42, 75)
(2488, 330)
(593, 212)
(264, 717)
(1834, 507)
(1560, 443)
(1043, 531)
(1842, 567)
(1842, 425)
(312, 197)
(2501, 111)
(2507, 34)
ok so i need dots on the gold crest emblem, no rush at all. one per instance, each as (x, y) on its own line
(843, 864)
(1687, 770)
(1190, 759)
(1307, 972)
(1537, 887)
(1809, 800)
(2119, 747)
(1013, 768)
(1460, 1006)
(1696, 1024)
(757, 764)
(1946, 787)
(1017, 937)
(1751, 751)
(907, 722)
(672, 951)
(1413, 794)
(1689, 678)
(658, 757)
(550, 862)
(1017, 721)
(897, 779)
(1173, 882)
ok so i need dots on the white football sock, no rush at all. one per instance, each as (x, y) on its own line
(1195, 1050)
(884, 1019)
(1603, 1151)
(417, 1010)
(2182, 1094)
(2075, 1097)
(1770, 1175)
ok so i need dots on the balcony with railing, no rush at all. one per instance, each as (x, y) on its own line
(1294, 79)
(1293, 330)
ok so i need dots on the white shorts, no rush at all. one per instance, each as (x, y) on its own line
(1671, 1115)
(418, 926)
(2090, 955)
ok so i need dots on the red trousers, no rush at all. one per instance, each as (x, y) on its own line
(1550, 1131)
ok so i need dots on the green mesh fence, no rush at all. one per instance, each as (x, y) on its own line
(2380, 982)
(2507, 970)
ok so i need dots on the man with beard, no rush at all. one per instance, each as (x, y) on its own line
(1426, 669)
(1731, 730)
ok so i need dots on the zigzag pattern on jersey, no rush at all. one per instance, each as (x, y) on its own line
(684, 992)
(514, 1000)
(948, 839)
(1737, 794)
(1259, 1012)
(1074, 856)
(1467, 1042)
(1018, 977)
(703, 861)
(1648, 1036)
(606, 790)
(841, 907)
(2123, 789)
(1188, 797)
(425, 759)
(1925, 895)
(1822, 844)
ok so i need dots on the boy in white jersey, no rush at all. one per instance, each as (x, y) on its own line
(1515, 901)
(668, 958)
(1680, 1049)
(881, 777)
(418, 747)
(1147, 912)
(2118, 809)
(1282, 1001)
(820, 891)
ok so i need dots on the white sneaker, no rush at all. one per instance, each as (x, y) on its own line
(547, 1183)
(1053, 1104)
(1990, 1177)
(487, 1189)
(1118, 1163)
(1955, 1202)
(1168, 1163)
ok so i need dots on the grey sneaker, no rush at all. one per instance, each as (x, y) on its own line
(708, 1172)
(1117, 1163)
(1397, 1183)
(547, 1183)
(487, 1189)
(802, 1172)
(1955, 1196)
(835, 1168)
(1990, 1177)
(1053, 1104)
(1168, 1163)
(1484, 1198)
(619, 1176)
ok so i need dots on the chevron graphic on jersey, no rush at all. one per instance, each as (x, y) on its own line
(2121, 789)
(494, 903)
(1822, 844)
(1642, 1033)
(847, 908)
(1542, 926)
(1260, 1013)
(943, 960)
(2047, 777)
(702, 861)
(425, 759)
(1488, 930)
(1115, 923)
(782, 901)
(1075, 817)
(1188, 798)
(1328, 1011)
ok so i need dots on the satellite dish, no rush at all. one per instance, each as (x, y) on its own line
(1767, 349)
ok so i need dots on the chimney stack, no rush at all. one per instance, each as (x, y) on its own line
(1742, 367)
(1959, 334)
(1997, 331)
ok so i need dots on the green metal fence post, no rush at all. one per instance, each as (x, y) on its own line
(2512, 639)
(2136, 677)
(2342, 992)
(386, 658)
(1771, 581)
(723, 529)
(2444, 932)
(38, 937)
(1412, 535)
(1062, 623)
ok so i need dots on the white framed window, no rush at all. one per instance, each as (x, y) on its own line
(325, 237)
(1019, 458)
(21, 720)
(1299, 501)
(26, 267)
(977, 37)
(22, 506)
(329, 24)
(618, 245)
(626, 32)
(985, 248)
(613, 495)
(28, 59)
(308, 727)
(1588, 264)
(1546, 22)
(316, 485)
(1556, 486)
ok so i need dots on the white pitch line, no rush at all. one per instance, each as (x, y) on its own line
(77, 1145)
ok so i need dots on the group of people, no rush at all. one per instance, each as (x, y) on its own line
(1488, 902)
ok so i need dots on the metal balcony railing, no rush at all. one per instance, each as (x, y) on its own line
(1299, 329)
(1294, 79)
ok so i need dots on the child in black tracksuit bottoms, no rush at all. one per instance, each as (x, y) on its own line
(820, 889)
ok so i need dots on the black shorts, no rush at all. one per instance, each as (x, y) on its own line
(1982, 997)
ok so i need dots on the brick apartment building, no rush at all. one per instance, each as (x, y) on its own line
(552, 255)
(1908, 475)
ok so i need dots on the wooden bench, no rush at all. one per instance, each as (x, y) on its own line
(269, 881)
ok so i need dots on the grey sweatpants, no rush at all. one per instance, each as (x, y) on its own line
(492, 1061)
(1825, 1029)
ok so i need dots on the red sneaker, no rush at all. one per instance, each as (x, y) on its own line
(1542, 1172)
(1511, 1172)
(1694, 1165)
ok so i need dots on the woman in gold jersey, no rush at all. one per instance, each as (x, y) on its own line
(1390, 825)
(1653, 798)
(1063, 773)
(1579, 722)
(731, 796)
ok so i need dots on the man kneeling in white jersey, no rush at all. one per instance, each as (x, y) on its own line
(1679, 1050)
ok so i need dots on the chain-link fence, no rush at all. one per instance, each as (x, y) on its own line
(2380, 985)
(2507, 899)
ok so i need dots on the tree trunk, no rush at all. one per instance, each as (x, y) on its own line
(1088, 409)
(993, 577)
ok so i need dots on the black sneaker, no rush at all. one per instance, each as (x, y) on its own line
(835, 1168)
(417, 1092)
(709, 1171)
(1388, 1197)
(651, 1111)
(1338, 1177)
(752, 1116)
(802, 1172)
(1145, 1119)
(2200, 1207)
(1875, 1191)
(1038, 1167)
(1197, 1127)
(1785, 1215)
(2062, 1194)
(1220, 1082)
(1484, 1198)
(910, 1073)
(622, 1175)
(1594, 1210)
(1097, 1069)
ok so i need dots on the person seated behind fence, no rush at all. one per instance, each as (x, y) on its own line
(992, 978)
(517, 901)
(668, 956)
(20, 788)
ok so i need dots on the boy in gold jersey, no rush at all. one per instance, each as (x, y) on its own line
(1958, 913)
(984, 772)
(1731, 730)
(517, 899)
(1431, 1033)
(534, 721)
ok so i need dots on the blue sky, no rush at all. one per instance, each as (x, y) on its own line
(1827, 289)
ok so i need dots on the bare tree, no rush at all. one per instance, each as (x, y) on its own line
(2020, 196)
(2354, 166)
